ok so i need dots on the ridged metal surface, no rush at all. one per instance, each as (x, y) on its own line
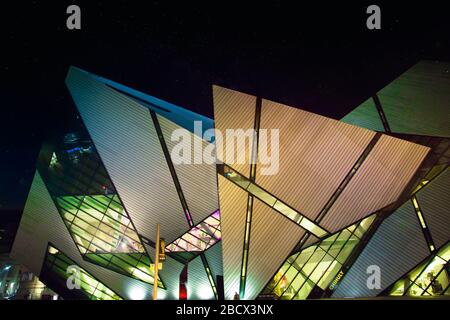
(214, 256)
(234, 110)
(316, 153)
(170, 275)
(434, 201)
(233, 207)
(126, 140)
(396, 247)
(181, 116)
(41, 224)
(311, 240)
(366, 116)
(417, 102)
(198, 181)
(272, 238)
(198, 286)
(377, 183)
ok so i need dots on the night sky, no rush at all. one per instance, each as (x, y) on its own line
(320, 58)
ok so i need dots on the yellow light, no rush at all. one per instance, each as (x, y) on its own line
(416, 205)
(422, 222)
(52, 250)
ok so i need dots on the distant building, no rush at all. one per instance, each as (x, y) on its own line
(17, 283)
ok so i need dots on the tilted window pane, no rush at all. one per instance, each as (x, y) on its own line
(200, 237)
(57, 264)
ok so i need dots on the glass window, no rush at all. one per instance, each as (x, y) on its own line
(57, 263)
(304, 292)
(288, 212)
(262, 195)
(329, 275)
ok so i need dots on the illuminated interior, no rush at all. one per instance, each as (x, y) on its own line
(430, 278)
(317, 265)
(92, 211)
(58, 264)
(200, 237)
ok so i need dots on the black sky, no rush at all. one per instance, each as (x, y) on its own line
(319, 58)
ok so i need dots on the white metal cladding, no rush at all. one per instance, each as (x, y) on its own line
(233, 208)
(378, 182)
(214, 256)
(170, 275)
(315, 155)
(41, 224)
(234, 110)
(198, 286)
(434, 201)
(272, 238)
(124, 135)
(198, 180)
(417, 102)
(396, 247)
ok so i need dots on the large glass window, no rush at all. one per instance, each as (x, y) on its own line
(430, 278)
(200, 237)
(62, 267)
(316, 265)
(91, 209)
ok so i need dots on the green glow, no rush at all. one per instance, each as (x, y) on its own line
(53, 160)
(105, 235)
(316, 265)
(58, 263)
(429, 278)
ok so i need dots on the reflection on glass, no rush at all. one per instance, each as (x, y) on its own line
(200, 237)
(91, 209)
(58, 264)
(430, 278)
(316, 265)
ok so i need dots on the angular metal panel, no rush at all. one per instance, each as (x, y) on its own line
(315, 154)
(233, 208)
(310, 241)
(198, 180)
(366, 116)
(214, 256)
(123, 133)
(378, 182)
(170, 274)
(396, 247)
(434, 201)
(198, 286)
(181, 116)
(416, 102)
(41, 224)
(272, 238)
(234, 110)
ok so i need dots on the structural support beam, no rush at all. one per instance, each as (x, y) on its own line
(270, 200)
(248, 220)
